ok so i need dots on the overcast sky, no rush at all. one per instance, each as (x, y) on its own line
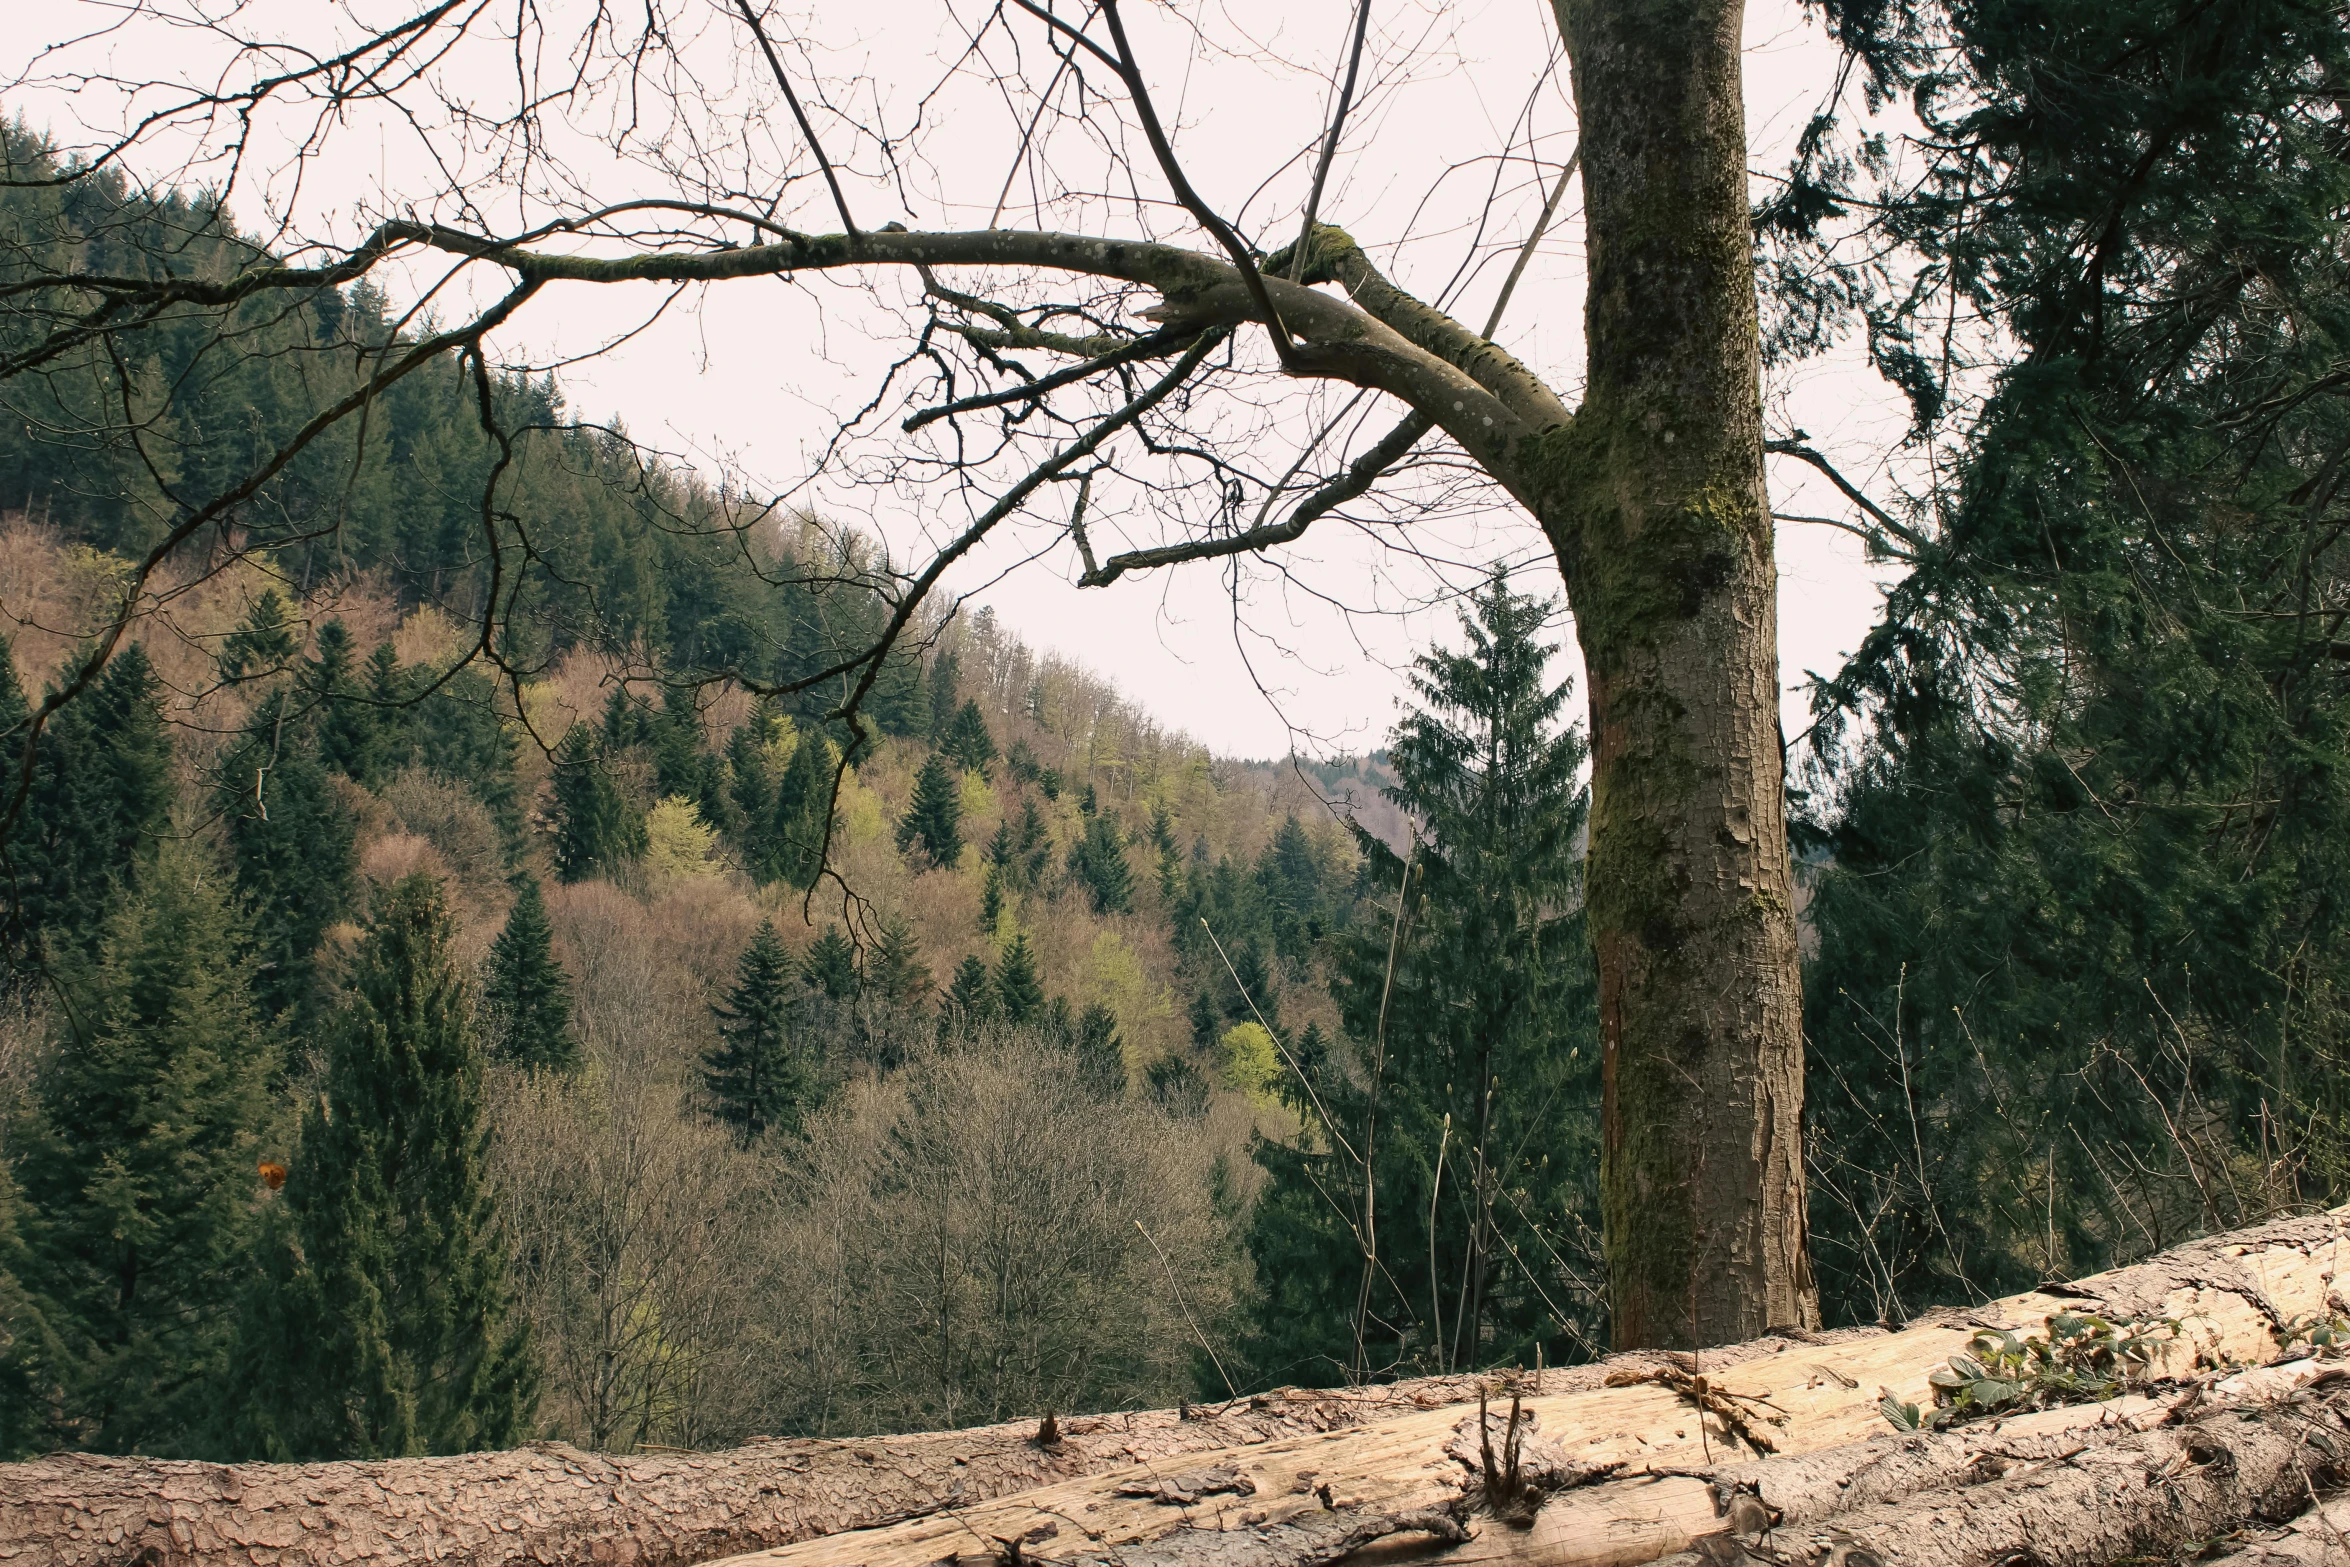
(1309, 653)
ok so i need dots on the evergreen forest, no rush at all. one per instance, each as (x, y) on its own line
(495, 955)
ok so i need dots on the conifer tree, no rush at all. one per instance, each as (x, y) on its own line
(98, 807)
(1486, 1068)
(945, 676)
(597, 831)
(968, 744)
(831, 966)
(263, 642)
(933, 821)
(294, 846)
(139, 1178)
(898, 976)
(526, 996)
(381, 1325)
(795, 828)
(1101, 1054)
(348, 724)
(1019, 993)
(1098, 861)
(748, 788)
(680, 764)
(970, 1000)
(755, 1076)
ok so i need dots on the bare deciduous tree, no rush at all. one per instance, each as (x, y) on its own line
(1214, 376)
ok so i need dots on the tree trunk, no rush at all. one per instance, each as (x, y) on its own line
(1653, 497)
(1297, 1478)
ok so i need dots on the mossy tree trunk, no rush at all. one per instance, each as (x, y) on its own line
(1653, 497)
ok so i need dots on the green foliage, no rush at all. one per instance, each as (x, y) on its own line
(381, 1326)
(2081, 1359)
(1475, 1027)
(755, 1075)
(1019, 993)
(2085, 818)
(1101, 1054)
(263, 643)
(791, 848)
(1098, 862)
(970, 1000)
(967, 743)
(597, 831)
(98, 805)
(294, 847)
(138, 1169)
(933, 823)
(526, 996)
(831, 966)
(896, 975)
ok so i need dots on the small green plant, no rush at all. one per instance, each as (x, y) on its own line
(2327, 1335)
(2081, 1359)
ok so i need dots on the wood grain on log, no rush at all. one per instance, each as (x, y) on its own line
(1320, 1468)
(2230, 1294)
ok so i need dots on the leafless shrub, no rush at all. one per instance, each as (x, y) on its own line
(975, 1238)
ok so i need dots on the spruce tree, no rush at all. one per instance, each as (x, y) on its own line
(898, 976)
(795, 829)
(1480, 1043)
(526, 996)
(138, 1168)
(933, 821)
(749, 789)
(1098, 861)
(945, 675)
(349, 725)
(968, 744)
(1019, 993)
(263, 643)
(756, 1078)
(970, 1000)
(597, 831)
(98, 807)
(294, 847)
(1101, 1055)
(381, 1325)
(831, 966)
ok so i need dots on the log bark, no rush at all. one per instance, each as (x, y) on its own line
(2159, 1494)
(1291, 1478)
(2318, 1538)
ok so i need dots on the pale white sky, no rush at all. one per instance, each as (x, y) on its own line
(755, 377)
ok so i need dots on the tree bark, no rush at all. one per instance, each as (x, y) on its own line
(1653, 498)
(1306, 1475)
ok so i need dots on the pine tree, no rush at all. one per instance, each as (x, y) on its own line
(934, 819)
(98, 807)
(945, 674)
(1098, 861)
(1101, 1054)
(748, 787)
(970, 1000)
(263, 643)
(294, 847)
(796, 826)
(968, 744)
(139, 1173)
(898, 976)
(349, 725)
(1483, 1038)
(831, 966)
(680, 764)
(1019, 993)
(381, 1325)
(526, 996)
(755, 1075)
(597, 831)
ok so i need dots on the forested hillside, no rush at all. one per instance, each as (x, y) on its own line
(420, 1043)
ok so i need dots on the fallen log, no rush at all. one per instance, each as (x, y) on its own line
(2159, 1494)
(2233, 1296)
(1293, 1476)
(2318, 1538)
